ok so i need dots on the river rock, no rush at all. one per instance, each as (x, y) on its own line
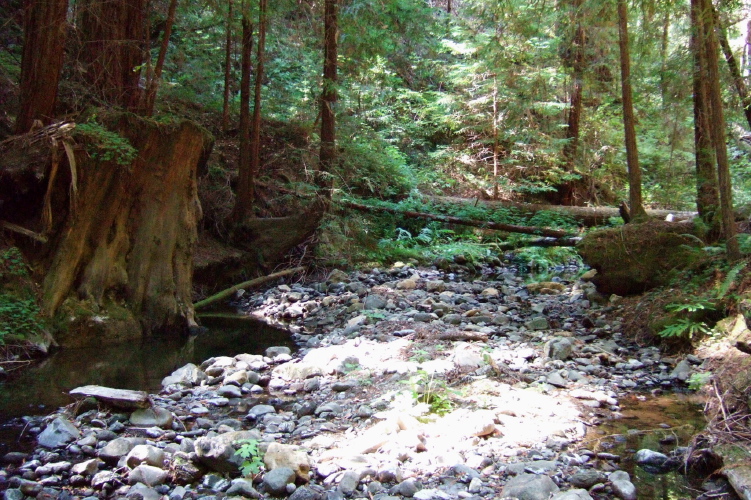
(537, 323)
(682, 371)
(375, 301)
(290, 456)
(188, 375)
(145, 454)
(559, 348)
(148, 475)
(586, 478)
(143, 492)
(100, 479)
(58, 433)
(573, 495)
(645, 457)
(274, 351)
(242, 487)
(739, 477)
(218, 452)
(152, 417)
(622, 486)
(183, 470)
(115, 449)
(529, 487)
(275, 481)
(117, 398)
(87, 468)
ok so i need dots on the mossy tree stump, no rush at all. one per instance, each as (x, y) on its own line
(118, 262)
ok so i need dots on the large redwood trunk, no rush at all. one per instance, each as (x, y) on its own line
(42, 60)
(113, 48)
(118, 261)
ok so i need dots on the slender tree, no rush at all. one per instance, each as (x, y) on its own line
(717, 131)
(153, 80)
(227, 68)
(244, 200)
(327, 155)
(632, 153)
(255, 129)
(707, 197)
(42, 60)
(735, 72)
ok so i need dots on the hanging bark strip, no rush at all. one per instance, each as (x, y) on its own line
(245, 284)
(448, 219)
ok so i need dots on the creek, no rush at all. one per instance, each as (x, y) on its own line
(659, 423)
(42, 388)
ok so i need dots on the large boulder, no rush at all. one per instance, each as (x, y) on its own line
(632, 258)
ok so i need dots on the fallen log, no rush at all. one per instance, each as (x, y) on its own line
(511, 228)
(585, 216)
(541, 242)
(245, 284)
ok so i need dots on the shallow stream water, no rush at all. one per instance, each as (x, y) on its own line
(643, 422)
(44, 387)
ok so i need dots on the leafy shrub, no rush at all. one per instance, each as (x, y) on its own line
(18, 317)
(371, 167)
(252, 459)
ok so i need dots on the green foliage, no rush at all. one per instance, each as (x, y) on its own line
(105, 145)
(699, 380)
(542, 260)
(252, 459)
(434, 392)
(19, 317)
(12, 264)
(684, 328)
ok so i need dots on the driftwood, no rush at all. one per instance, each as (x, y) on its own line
(511, 228)
(245, 284)
(462, 336)
(585, 216)
(542, 242)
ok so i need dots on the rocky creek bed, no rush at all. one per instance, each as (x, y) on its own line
(407, 383)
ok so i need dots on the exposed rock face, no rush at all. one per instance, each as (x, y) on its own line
(637, 257)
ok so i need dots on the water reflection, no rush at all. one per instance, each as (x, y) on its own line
(141, 366)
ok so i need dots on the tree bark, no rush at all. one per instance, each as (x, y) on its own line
(152, 86)
(717, 130)
(227, 68)
(255, 130)
(511, 228)
(113, 48)
(327, 154)
(42, 60)
(707, 196)
(118, 262)
(735, 72)
(637, 212)
(244, 199)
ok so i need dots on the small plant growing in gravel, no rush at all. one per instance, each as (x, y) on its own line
(252, 459)
(431, 391)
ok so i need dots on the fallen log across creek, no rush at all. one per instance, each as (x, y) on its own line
(511, 228)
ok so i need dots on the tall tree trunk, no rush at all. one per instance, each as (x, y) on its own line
(113, 48)
(244, 199)
(227, 68)
(573, 59)
(664, 58)
(495, 137)
(255, 131)
(707, 196)
(42, 60)
(717, 130)
(632, 153)
(152, 86)
(327, 155)
(735, 72)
